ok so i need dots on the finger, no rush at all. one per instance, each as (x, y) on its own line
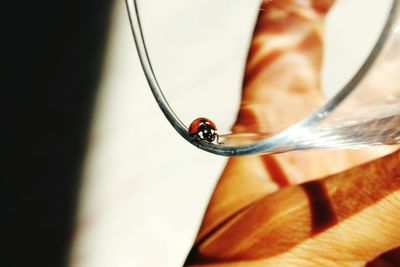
(247, 179)
(282, 85)
(282, 75)
(288, 38)
(343, 220)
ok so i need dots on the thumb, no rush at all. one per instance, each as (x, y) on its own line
(355, 215)
(346, 219)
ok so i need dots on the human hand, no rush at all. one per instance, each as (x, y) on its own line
(314, 208)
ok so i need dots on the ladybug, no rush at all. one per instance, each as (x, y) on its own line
(204, 129)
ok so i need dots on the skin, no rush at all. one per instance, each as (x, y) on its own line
(314, 208)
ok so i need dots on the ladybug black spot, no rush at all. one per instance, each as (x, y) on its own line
(206, 132)
(204, 129)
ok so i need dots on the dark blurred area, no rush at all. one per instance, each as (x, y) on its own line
(53, 57)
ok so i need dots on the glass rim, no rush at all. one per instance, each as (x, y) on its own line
(275, 143)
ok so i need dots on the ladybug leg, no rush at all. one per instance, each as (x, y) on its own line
(218, 142)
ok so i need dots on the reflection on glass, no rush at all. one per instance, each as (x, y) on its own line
(365, 111)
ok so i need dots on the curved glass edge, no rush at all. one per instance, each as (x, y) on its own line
(279, 143)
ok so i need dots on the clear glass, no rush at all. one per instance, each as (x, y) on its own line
(364, 112)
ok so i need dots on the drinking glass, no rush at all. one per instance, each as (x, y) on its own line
(199, 49)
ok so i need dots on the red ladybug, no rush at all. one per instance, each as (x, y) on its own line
(204, 129)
